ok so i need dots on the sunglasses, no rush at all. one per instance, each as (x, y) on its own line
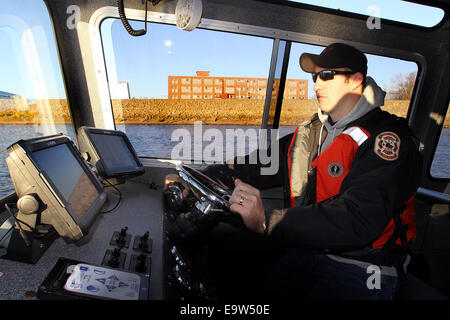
(328, 74)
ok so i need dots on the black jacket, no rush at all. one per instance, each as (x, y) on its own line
(369, 195)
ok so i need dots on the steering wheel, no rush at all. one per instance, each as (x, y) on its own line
(209, 193)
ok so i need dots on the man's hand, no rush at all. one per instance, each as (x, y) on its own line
(246, 200)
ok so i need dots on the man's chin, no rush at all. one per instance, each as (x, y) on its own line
(324, 108)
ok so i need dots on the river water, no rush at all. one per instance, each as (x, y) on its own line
(159, 141)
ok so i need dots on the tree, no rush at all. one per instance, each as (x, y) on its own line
(402, 86)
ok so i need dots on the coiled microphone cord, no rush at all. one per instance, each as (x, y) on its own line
(125, 23)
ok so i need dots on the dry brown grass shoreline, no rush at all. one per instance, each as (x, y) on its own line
(167, 112)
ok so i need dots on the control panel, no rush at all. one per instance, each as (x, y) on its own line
(123, 245)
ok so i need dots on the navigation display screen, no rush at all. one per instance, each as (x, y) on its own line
(68, 177)
(114, 152)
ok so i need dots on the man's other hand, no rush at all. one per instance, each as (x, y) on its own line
(246, 201)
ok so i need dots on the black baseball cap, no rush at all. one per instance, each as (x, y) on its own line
(336, 55)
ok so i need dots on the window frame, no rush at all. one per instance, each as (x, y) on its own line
(363, 17)
(276, 35)
(42, 73)
(209, 24)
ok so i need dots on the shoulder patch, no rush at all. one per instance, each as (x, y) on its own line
(387, 146)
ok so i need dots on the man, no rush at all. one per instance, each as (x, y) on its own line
(349, 176)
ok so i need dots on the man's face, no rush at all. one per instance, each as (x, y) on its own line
(335, 96)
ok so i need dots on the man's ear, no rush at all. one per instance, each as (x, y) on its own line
(358, 79)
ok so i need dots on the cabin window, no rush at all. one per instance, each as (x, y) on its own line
(396, 77)
(439, 166)
(166, 58)
(393, 10)
(32, 95)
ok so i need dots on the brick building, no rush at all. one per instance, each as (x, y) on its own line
(203, 86)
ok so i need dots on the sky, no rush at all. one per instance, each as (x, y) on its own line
(29, 62)
(28, 58)
(166, 50)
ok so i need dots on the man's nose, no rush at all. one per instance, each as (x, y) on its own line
(317, 85)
